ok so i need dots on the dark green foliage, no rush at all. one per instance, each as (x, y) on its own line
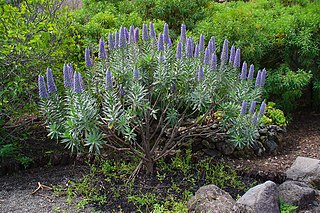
(34, 35)
(285, 86)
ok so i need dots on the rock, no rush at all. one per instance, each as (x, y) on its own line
(258, 148)
(211, 199)
(297, 193)
(225, 147)
(241, 208)
(270, 146)
(305, 170)
(208, 144)
(262, 198)
(263, 131)
(212, 152)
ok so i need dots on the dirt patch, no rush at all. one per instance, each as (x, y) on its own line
(15, 190)
(302, 139)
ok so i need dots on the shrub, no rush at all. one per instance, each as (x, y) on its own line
(147, 96)
(285, 86)
(33, 36)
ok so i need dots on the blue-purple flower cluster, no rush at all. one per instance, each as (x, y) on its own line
(43, 91)
(252, 110)
(72, 80)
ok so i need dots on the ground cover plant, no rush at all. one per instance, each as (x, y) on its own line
(148, 96)
(177, 178)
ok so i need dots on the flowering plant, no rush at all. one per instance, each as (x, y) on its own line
(148, 95)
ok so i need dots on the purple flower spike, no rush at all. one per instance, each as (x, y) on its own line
(200, 74)
(136, 35)
(121, 91)
(170, 43)
(50, 82)
(102, 50)
(232, 54)
(189, 48)
(76, 83)
(197, 51)
(206, 58)
(263, 77)
(201, 43)
(131, 35)
(243, 108)
(243, 74)
(145, 32)
(109, 83)
(236, 62)
(179, 51)
(161, 42)
(43, 93)
(166, 33)
(258, 78)
(224, 53)
(122, 38)
(152, 31)
(110, 42)
(136, 74)
(252, 107)
(116, 39)
(212, 44)
(209, 47)
(87, 57)
(67, 76)
(70, 71)
(262, 109)
(254, 119)
(183, 37)
(251, 72)
(213, 65)
(126, 33)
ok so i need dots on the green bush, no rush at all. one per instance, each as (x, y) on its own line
(285, 86)
(33, 36)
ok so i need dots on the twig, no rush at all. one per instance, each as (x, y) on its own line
(135, 172)
(41, 186)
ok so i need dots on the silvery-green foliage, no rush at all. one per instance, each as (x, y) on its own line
(81, 126)
(243, 132)
(52, 109)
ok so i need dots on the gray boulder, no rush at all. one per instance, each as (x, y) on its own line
(305, 170)
(225, 147)
(297, 193)
(211, 199)
(262, 198)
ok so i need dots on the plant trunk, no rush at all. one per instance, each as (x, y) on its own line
(149, 165)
